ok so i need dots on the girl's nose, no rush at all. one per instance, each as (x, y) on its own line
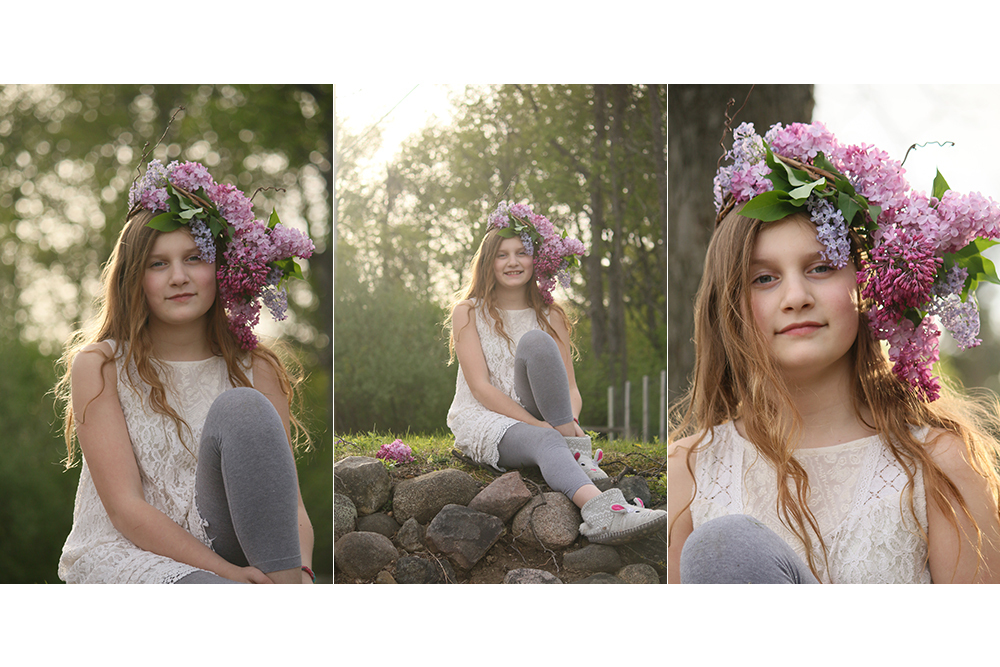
(796, 294)
(178, 274)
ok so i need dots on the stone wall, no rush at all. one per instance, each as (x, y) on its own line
(446, 527)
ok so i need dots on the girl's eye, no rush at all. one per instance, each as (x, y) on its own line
(823, 268)
(764, 279)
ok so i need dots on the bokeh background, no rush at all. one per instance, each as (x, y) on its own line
(68, 155)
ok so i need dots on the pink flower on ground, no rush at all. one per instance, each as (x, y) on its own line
(396, 451)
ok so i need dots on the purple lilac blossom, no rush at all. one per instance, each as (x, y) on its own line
(831, 231)
(203, 237)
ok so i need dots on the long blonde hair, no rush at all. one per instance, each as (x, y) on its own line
(122, 316)
(481, 285)
(735, 377)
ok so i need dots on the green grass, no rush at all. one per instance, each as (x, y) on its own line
(433, 451)
(439, 445)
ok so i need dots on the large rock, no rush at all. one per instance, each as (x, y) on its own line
(635, 487)
(463, 534)
(361, 555)
(379, 523)
(411, 536)
(638, 573)
(345, 515)
(650, 550)
(417, 570)
(593, 558)
(550, 519)
(364, 480)
(423, 497)
(503, 497)
(527, 575)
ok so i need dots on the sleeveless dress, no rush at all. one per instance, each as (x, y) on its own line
(95, 552)
(856, 495)
(478, 430)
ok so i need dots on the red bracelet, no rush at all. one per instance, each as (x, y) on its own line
(305, 568)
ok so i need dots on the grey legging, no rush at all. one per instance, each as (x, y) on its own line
(738, 549)
(543, 387)
(246, 486)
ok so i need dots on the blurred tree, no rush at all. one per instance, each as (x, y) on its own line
(698, 137)
(68, 156)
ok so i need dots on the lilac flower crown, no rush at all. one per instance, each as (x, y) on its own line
(556, 253)
(921, 257)
(257, 257)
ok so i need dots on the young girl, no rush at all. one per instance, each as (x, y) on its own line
(516, 400)
(182, 418)
(809, 455)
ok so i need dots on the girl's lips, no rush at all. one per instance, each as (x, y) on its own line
(801, 328)
(180, 297)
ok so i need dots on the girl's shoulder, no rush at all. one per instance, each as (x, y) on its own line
(92, 357)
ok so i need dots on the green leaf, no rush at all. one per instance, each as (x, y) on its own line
(802, 192)
(821, 162)
(940, 186)
(794, 177)
(770, 206)
(848, 206)
(273, 220)
(165, 222)
(190, 213)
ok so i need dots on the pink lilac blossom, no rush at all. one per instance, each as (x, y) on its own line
(900, 271)
(955, 220)
(800, 141)
(913, 350)
(191, 176)
(396, 451)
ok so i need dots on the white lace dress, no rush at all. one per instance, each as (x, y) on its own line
(856, 495)
(95, 552)
(478, 430)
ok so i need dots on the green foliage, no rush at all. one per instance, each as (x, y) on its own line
(390, 361)
(36, 505)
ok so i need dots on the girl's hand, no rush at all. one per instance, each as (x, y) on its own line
(250, 575)
(578, 431)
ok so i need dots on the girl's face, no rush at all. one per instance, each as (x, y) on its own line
(179, 286)
(513, 266)
(806, 309)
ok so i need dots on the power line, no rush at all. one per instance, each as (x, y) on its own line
(379, 121)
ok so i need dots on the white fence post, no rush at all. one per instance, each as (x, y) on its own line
(663, 407)
(611, 414)
(645, 408)
(628, 410)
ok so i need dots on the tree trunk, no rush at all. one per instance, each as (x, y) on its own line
(696, 132)
(616, 283)
(595, 271)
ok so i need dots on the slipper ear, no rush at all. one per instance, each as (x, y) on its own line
(617, 508)
(576, 455)
(638, 501)
(600, 456)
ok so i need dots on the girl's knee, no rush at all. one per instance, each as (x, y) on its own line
(536, 341)
(243, 408)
